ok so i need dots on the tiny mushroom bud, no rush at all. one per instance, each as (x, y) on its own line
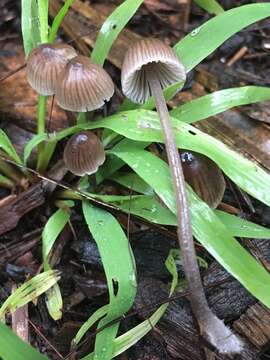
(204, 176)
(44, 65)
(84, 153)
(84, 86)
(148, 67)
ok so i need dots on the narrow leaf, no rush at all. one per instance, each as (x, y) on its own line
(12, 347)
(111, 28)
(211, 6)
(206, 226)
(119, 266)
(7, 146)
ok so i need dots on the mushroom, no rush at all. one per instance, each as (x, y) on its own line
(204, 176)
(149, 66)
(83, 86)
(44, 65)
(84, 153)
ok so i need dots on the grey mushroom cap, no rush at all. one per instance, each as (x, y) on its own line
(83, 86)
(165, 62)
(84, 153)
(44, 65)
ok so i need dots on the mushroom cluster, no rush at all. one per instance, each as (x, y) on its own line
(78, 85)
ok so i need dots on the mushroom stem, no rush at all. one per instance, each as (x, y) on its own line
(210, 326)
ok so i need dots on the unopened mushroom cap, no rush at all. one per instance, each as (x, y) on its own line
(44, 65)
(84, 86)
(84, 153)
(204, 176)
(168, 68)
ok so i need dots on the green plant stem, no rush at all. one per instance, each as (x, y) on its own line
(41, 126)
(10, 172)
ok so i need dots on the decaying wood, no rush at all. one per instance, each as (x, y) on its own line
(226, 296)
(29, 199)
(255, 325)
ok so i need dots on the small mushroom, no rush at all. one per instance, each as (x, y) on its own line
(44, 65)
(83, 86)
(84, 153)
(204, 176)
(148, 67)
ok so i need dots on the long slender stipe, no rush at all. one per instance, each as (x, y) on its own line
(211, 328)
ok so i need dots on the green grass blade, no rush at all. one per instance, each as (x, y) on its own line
(7, 146)
(211, 6)
(50, 233)
(35, 26)
(43, 14)
(206, 226)
(241, 227)
(144, 126)
(147, 207)
(111, 28)
(29, 291)
(132, 182)
(57, 21)
(12, 347)
(119, 266)
(219, 101)
(131, 337)
(201, 42)
(99, 313)
(26, 16)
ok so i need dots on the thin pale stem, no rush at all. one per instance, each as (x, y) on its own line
(197, 297)
(210, 326)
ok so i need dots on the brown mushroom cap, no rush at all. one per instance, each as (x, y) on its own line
(167, 66)
(84, 86)
(44, 65)
(84, 153)
(204, 176)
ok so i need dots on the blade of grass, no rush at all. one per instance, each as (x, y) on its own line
(219, 101)
(111, 28)
(206, 226)
(43, 11)
(119, 266)
(131, 337)
(143, 126)
(50, 233)
(7, 146)
(29, 291)
(57, 21)
(26, 17)
(12, 347)
(211, 6)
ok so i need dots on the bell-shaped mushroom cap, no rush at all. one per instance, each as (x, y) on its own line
(84, 86)
(84, 153)
(44, 65)
(204, 176)
(167, 65)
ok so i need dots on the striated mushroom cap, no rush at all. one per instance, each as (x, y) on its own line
(44, 65)
(83, 86)
(204, 176)
(167, 65)
(84, 153)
